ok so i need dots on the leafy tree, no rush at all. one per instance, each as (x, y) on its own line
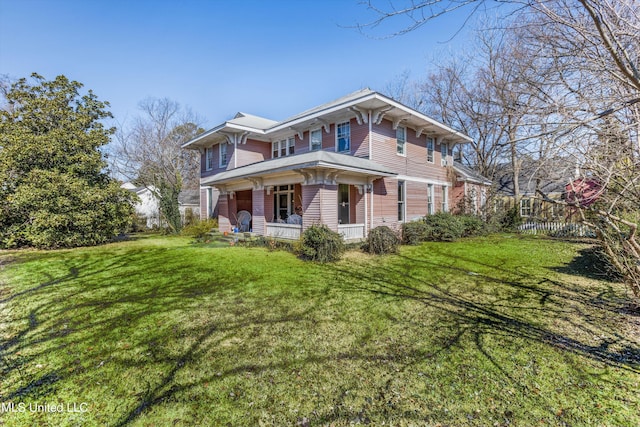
(54, 191)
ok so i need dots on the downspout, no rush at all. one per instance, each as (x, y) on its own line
(370, 137)
(235, 151)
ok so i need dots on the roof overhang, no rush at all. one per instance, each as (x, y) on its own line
(309, 168)
(364, 106)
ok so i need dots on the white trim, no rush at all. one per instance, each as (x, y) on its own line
(208, 159)
(347, 122)
(423, 180)
(311, 131)
(226, 154)
(404, 143)
(433, 149)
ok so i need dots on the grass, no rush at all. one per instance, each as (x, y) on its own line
(501, 330)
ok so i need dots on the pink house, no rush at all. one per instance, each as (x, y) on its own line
(356, 163)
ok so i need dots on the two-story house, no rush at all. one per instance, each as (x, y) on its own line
(356, 163)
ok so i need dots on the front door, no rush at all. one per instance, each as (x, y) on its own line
(343, 204)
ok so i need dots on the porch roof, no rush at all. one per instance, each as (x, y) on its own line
(311, 160)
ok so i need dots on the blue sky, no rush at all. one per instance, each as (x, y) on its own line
(269, 58)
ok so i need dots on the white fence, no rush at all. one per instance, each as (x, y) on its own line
(556, 228)
(351, 231)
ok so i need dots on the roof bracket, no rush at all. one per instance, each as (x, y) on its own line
(378, 114)
(398, 120)
(361, 116)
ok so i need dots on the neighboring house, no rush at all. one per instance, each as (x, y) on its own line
(353, 164)
(189, 204)
(470, 190)
(548, 177)
(149, 207)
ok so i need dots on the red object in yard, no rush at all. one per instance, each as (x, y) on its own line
(583, 192)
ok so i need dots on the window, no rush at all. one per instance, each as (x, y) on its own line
(445, 199)
(525, 207)
(343, 137)
(444, 149)
(282, 148)
(315, 140)
(223, 154)
(401, 140)
(430, 148)
(208, 154)
(343, 204)
(430, 197)
(282, 202)
(401, 197)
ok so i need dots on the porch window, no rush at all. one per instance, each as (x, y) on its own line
(401, 140)
(343, 204)
(430, 149)
(343, 137)
(444, 151)
(315, 140)
(430, 197)
(401, 197)
(445, 199)
(282, 202)
(208, 154)
(223, 154)
(282, 148)
(525, 207)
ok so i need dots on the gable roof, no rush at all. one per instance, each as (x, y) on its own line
(363, 104)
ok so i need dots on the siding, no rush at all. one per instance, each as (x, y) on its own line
(203, 203)
(223, 213)
(416, 203)
(253, 152)
(385, 203)
(319, 204)
(414, 164)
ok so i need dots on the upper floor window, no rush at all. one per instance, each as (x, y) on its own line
(223, 154)
(282, 148)
(444, 151)
(401, 140)
(343, 136)
(430, 149)
(315, 140)
(208, 154)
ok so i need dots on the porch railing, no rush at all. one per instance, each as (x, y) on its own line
(351, 231)
(283, 231)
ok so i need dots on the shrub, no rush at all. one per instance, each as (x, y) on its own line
(200, 229)
(472, 225)
(511, 219)
(319, 243)
(444, 227)
(381, 240)
(415, 232)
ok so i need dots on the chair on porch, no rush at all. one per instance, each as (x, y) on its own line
(244, 221)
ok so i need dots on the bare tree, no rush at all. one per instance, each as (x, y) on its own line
(586, 107)
(149, 154)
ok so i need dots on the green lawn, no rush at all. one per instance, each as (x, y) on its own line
(502, 330)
